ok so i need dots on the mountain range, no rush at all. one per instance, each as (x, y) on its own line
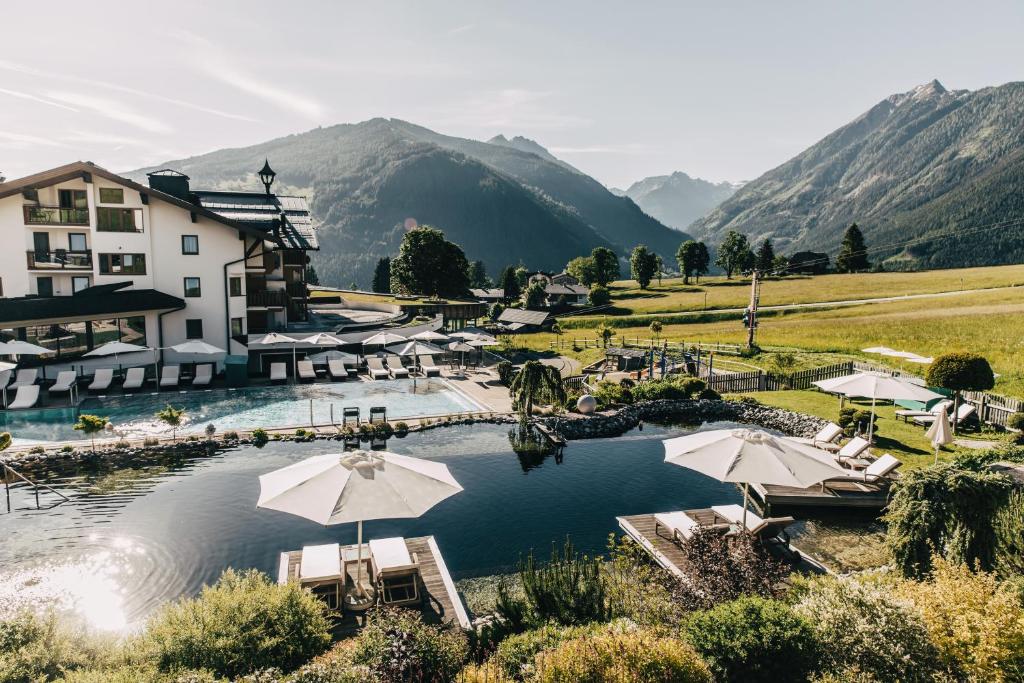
(677, 199)
(927, 172)
(504, 201)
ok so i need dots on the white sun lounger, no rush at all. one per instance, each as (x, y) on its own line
(336, 368)
(877, 471)
(27, 397)
(65, 381)
(352, 369)
(101, 379)
(766, 529)
(204, 375)
(278, 372)
(940, 406)
(396, 368)
(26, 377)
(395, 571)
(170, 376)
(962, 413)
(375, 366)
(852, 449)
(5, 379)
(134, 379)
(306, 371)
(825, 438)
(679, 524)
(428, 367)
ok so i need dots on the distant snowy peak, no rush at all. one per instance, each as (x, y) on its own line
(678, 199)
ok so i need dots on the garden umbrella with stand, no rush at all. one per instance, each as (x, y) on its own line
(339, 488)
(284, 341)
(462, 348)
(877, 386)
(383, 339)
(940, 433)
(751, 455)
(415, 349)
(16, 347)
(196, 347)
(118, 348)
(430, 336)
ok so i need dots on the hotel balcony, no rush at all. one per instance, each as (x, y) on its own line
(59, 259)
(267, 299)
(55, 215)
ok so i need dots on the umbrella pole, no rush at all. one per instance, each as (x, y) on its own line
(746, 497)
(871, 424)
(359, 558)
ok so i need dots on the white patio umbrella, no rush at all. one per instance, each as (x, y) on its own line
(923, 360)
(462, 348)
(415, 349)
(430, 336)
(743, 456)
(469, 333)
(338, 488)
(282, 340)
(16, 347)
(877, 385)
(383, 339)
(322, 339)
(195, 347)
(940, 433)
(882, 350)
(483, 341)
(332, 354)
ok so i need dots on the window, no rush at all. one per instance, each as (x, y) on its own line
(237, 327)
(235, 286)
(111, 195)
(77, 241)
(109, 219)
(44, 286)
(194, 328)
(79, 283)
(192, 288)
(124, 264)
(190, 245)
(73, 199)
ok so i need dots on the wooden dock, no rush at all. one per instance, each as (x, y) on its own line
(441, 602)
(669, 555)
(840, 494)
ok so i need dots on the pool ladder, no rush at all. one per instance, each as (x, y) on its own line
(11, 472)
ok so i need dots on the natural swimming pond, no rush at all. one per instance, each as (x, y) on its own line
(245, 409)
(132, 537)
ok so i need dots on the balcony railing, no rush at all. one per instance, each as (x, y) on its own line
(60, 259)
(268, 299)
(55, 215)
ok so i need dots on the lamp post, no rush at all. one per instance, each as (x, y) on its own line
(267, 175)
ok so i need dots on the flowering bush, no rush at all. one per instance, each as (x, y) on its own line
(720, 569)
(860, 624)
(398, 646)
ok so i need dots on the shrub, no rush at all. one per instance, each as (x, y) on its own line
(67, 449)
(172, 417)
(150, 441)
(608, 393)
(639, 589)
(1009, 526)
(754, 639)
(241, 624)
(976, 623)
(37, 647)
(398, 646)
(401, 429)
(505, 372)
(259, 437)
(383, 430)
(37, 450)
(854, 420)
(600, 296)
(91, 425)
(720, 569)
(638, 656)
(568, 589)
(365, 432)
(136, 674)
(861, 625)
(709, 395)
(673, 388)
(1016, 421)
(231, 435)
(514, 656)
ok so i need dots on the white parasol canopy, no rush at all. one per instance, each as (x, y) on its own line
(116, 348)
(752, 455)
(322, 339)
(383, 339)
(429, 336)
(282, 340)
(415, 348)
(4, 366)
(338, 488)
(877, 385)
(940, 433)
(332, 354)
(198, 348)
(882, 350)
(483, 341)
(16, 347)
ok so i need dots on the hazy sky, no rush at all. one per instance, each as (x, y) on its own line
(622, 90)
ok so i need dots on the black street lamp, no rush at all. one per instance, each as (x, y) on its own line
(267, 175)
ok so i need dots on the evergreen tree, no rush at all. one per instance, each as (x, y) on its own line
(734, 253)
(509, 282)
(311, 277)
(765, 256)
(535, 295)
(478, 275)
(429, 264)
(606, 265)
(688, 256)
(703, 260)
(643, 263)
(382, 276)
(853, 254)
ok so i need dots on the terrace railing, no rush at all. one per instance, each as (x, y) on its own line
(60, 259)
(267, 299)
(55, 215)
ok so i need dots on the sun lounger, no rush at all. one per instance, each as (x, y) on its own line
(852, 449)
(395, 571)
(962, 413)
(306, 371)
(204, 375)
(65, 382)
(428, 367)
(101, 379)
(25, 377)
(170, 376)
(396, 368)
(375, 366)
(681, 525)
(351, 368)
(278, 372)
(825, 438)
(878, 472)
(770, 529)
(5, 379)
(337, 369)
(27, 397)
(134, 379)
(935, 409)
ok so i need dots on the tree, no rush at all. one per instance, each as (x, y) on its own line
(427, 263)
(733, 253)
(765, 256)
(688, 257)
(853, 254)
(605, 333)
(960, 372)
(643, 263)
(808, 263)
(536, 382)
(703, 260)
(535, 295)
(582, 268)
(606, 265)
(311, 277)
(91, 425)
(659, 267)
(495, 310)
(600, 296)
(509, 283)
(172, 417)
(656, 328)
(382, 276)
(478, 275)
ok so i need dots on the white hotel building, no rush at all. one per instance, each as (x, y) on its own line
(89, 256)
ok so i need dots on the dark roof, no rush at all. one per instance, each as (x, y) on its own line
(518, 315)
(573, 290)
(85, 304)
(488, 293)
(260, 210)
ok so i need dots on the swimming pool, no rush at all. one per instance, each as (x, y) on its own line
(132, 537)
(268, 406)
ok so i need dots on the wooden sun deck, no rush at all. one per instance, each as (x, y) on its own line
(641, 528)
(441, 603)
(834, 495)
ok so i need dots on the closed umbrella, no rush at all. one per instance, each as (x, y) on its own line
(284, 341)
(877, 385)
(752, 455)
(338, 488)
(940, 433)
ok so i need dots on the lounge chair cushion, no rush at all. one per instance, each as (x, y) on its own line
(169, 376)
(65, 380)
(102, 378)
(25, 377)
(677, 522)
(320, 562)
(882, 467)
(26, 397)
(134, 379)
(278, 371)
(853, 448)
(390, 554)
(734, 513)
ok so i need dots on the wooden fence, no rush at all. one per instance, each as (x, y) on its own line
(622, 341)
(576, 384)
